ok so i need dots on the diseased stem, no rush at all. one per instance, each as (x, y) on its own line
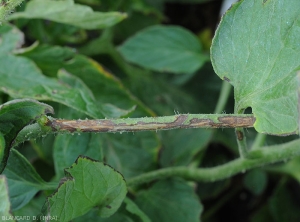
(267, 155)
(182, 121)
(48, 125)
(240, 137)
(258, 157)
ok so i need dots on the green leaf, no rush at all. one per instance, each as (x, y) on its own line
(5, 203)
(128, 212)
(69, 13)
(180, 146)
(109, 93)
(131, 154)
(188, 1)
(256, 181)
(87, 184)
(16, 70)
(164, 98)
(170, 200)
(262, 215)
(2, 146)
(14, 116)
(289, 168)
(165, 49)
(161, 3)
(49, 58)
(68, 147)
(23, 181)
(256, 48)
(283, 206)
(11, 38)
(134, 209)
(32, 209)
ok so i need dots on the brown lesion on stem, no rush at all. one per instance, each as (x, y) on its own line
(239, 135)
(183, 121)
(224, 122)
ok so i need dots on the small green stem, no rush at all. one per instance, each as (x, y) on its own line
(266, 155)
(259, 141)
(48, 125)
(49, 186)
(223, 97)
(241, 141)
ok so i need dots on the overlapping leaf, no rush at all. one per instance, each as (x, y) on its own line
(14, 116)
(256, 48)
(5, 203)
(131, 154)
(87, 184)
(107, 90)
(170, 200)
(21, 78)
(67, 148)
(193, 141)
(128, 212)
(68, 12)
(23, 181)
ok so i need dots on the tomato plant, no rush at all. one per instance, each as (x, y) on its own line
(112, 112)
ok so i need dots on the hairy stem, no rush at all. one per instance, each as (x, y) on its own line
(48, 125)
(266, 155)
(7, 7)
(182, 121)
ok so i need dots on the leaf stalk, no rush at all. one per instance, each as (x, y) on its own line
(181, 121)
(265, 156)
